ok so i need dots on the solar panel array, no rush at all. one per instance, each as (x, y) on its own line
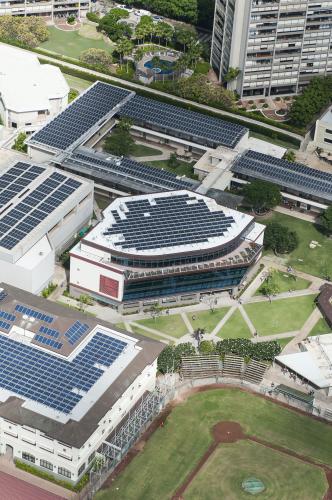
(16, 179)
(32, 313)
(47, 379)
(190, 123)
(76, 331)
(3, 295)
(138, 172)
(49, 331)
(6, 315)
(16, 223)
(169, 221)
(4, 325)
(285, 173)
(86, 111)
(49, 342)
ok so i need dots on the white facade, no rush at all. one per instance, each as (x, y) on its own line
(323, 132)
(277, 45)
(48, 8)
(47, 452)
(30, 92)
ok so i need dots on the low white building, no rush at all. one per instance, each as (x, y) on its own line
(70, 380)
(323, 132)
(30, 92)
(41, 212)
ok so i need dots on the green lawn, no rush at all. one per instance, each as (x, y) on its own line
(143, 150)
(235, 327)
(320, 328)
(279, 142)
(284, 342)
(283, 315)
(153, 336)
(77, 83)
(172, 452)
(285, 282)
(71, 43)
(183, 168)
(316, 261)
(231, 464)
(172, 325)
(207, 319)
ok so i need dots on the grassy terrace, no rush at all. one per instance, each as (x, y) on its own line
(143, 150)
(173, 450)
(285, 282)
(320, 328)
(235, 327)
(316, 261)
(72, 43)
(173, 325)
(183, 167)
(279, 316)
(207, 319)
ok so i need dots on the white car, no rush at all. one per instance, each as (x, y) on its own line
(126, 7)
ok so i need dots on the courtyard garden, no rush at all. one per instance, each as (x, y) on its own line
(207, 320)
(235, 327)
(283, 282)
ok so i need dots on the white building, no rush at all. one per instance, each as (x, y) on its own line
(323, 132)
(278, 45)
(30, 92)
(70, 380)
(47, 8)
(41, 212)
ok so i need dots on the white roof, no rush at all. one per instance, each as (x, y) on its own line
(327, 117)
(97, 236)
(304, 364)
(260, 146)
(25, 84)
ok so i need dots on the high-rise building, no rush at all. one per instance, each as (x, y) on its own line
(278, 45)
(49, 8)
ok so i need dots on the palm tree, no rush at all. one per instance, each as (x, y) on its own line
(124, 48)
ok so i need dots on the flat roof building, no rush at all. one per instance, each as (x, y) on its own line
(30, 92)
(323, 132)
(67, 381)
(41, 211)
(164, 245)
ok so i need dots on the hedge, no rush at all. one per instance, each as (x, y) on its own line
(49, 477)
(251, 126)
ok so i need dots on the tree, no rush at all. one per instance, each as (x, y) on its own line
(290, 155)
(124, 48)
(261, 196)
(30, 31)
(269, 286)
(155, 311)
(169, 360)
(73, 93)
(279, 238)
(120, 142)
(111, 24)
(185, 36)
(198, 335)
(326, 219)
(207, 347)
(172, 161)
(164, 31)
(231, 74)
(155, 62)
(96, 57)
(194, 52)
(314, 98)
(139, 53)
(19, 144)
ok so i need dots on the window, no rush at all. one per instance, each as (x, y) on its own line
(46, 464)
(81, 469)
(91, 457)
(64, 472)
(28, 457)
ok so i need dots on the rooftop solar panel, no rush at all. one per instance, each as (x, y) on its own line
(50, 380)
(78, 118)
(168, 222)
(284, 173)
(189, 125)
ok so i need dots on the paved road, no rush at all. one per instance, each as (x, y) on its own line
(12, 488)
(133, 85)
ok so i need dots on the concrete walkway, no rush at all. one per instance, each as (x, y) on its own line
(134, 86)
(296, 214)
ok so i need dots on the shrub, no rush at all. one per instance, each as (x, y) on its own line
(71, 19)
(96, 57)
(251, 101)
(48, 290)
(315, 97)
(73, 93)
(326, 219)
(207, 347)
(265, 105)
(93, 17)
(19, 144)
(170, 358)
(260, 351)
(49, 477)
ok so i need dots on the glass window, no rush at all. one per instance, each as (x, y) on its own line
(81, 469)
(64, 472)
(28, 457)
(46, 464)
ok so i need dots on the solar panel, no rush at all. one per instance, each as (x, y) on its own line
(3, 295)
(284, 173)
(75, 332)
(189, 125)
(166, 222)
(50, 380)
(49, 342)
(49, 331)
(16, 179)
(7, 316)
(33, 313)
(86, 111)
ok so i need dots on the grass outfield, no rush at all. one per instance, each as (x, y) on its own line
(172, 325)
(316, 261)
(231, 464)
(235, 327)
(174, 450)
(320, 328)
(207, 319)
(71, 43)
(285, 282)
(280, 316)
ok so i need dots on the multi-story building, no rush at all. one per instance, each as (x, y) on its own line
(67, 382)
(167, 247)
(47, 8)
(278, 45)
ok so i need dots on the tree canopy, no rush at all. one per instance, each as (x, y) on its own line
(185, 10)
(326, 219)
(114, 29)
(120, 142)
(315, 97)
(261, 196)
(279, 238)
(96, 57)
(30, 31)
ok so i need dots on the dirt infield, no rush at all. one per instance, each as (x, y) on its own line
(223, 432)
